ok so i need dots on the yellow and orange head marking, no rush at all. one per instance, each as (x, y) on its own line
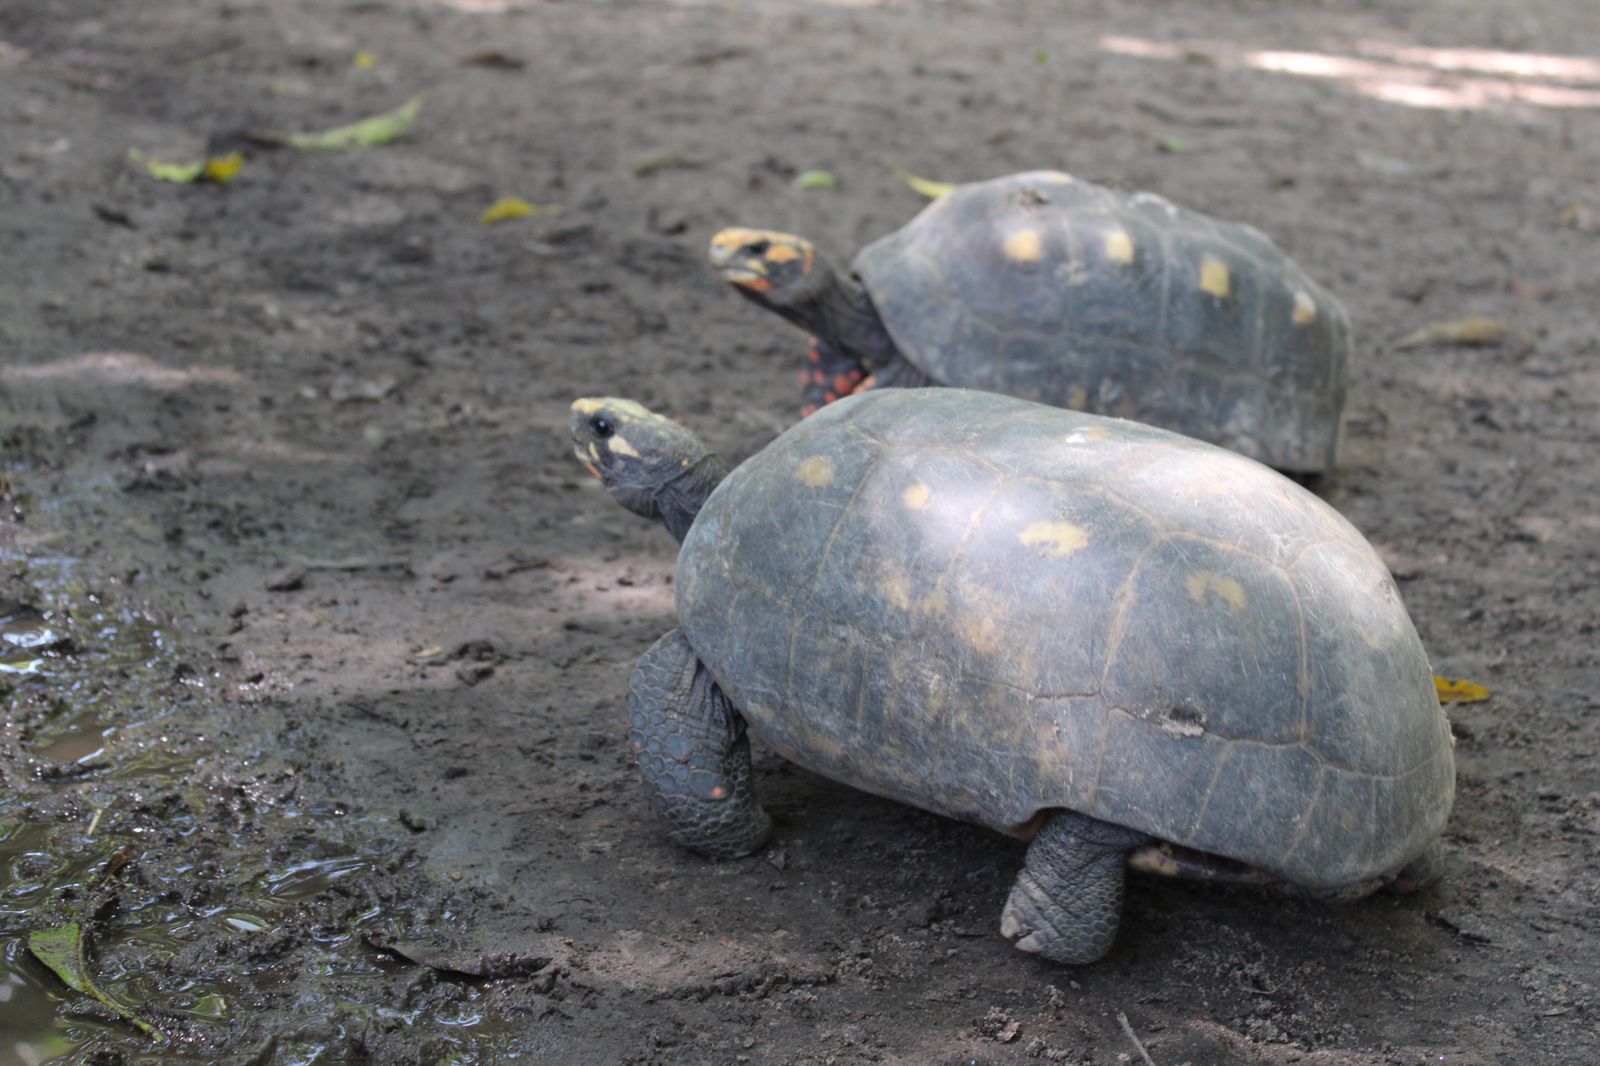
(759, 259)
(602, 426)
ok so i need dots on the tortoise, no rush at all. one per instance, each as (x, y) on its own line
(1123, 645)
(1053, 289)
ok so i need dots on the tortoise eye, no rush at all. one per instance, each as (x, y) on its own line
(602, 426)
(760, 247)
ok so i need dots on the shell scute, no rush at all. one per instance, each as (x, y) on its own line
(1206, 639)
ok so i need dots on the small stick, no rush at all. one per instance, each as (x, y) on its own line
(1122, 1020)
(353, 564)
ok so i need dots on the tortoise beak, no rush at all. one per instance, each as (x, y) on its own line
(730, 257)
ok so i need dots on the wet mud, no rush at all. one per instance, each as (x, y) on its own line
(314, 638)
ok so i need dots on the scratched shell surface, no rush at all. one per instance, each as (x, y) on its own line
(1058, 290)
(986, 608)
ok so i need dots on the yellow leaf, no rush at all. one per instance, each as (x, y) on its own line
(508, 207)
(931, 189)
(365, 60)
(223, 168)
(1456, 690)
(368, 133)
(1458, 331)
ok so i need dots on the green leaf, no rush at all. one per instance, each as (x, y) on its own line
(931, 189)
(368, 133)
(666, 159)
(219, 168)
(63, 950)
(816, 179)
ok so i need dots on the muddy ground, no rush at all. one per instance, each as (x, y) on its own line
(325, 748)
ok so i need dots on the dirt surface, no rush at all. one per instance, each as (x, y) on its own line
(325, 749)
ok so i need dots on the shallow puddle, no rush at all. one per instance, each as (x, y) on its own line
(168, 849)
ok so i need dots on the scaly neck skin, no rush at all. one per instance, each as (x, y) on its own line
(837, 309)
(679, 499)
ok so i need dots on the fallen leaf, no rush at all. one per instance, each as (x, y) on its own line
(509, 207)
(816, 179)
(1457, 690)
(223, 168)
(495, 59)
(63, 950)
(1174, 146)
(220, 168)
(668, 159)
(368, 133)
(1473, 331)
(931, 189)
(364, 60)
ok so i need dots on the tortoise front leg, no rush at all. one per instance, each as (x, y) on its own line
(828, 375)
(1067, 901)
(898, 373)
(692, 753)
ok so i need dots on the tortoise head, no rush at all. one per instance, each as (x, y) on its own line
(650, 464)
(777, 270)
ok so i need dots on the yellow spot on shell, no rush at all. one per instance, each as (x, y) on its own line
(1119, 246)
(782, 253)
(1087, 435)
(897, 590)
(816, 471)
(983, 634)
(1231, 592)
(1024, 246)
(1055, 538)
(1078, 398)
(1305, 308)
(1214, 276)
(620, 446)
(916, 496)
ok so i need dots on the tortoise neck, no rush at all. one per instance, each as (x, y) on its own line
(679, 500)
(850, 322)
(838, 310)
